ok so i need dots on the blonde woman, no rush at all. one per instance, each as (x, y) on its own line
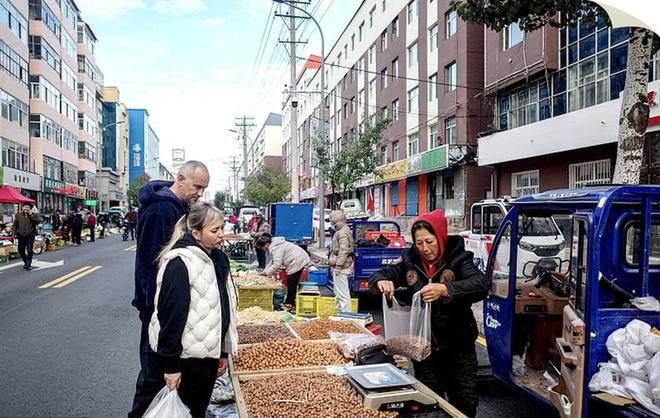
(193, 327)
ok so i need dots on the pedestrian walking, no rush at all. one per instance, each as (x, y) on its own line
(259, 227)
(162, 204)
(234, 221)
(130, 220)
(103, 222)
(91, 223)
(439, 267)
(76, 229)
(341, 259)
(284, 256)
(25, 228)
(193, 327)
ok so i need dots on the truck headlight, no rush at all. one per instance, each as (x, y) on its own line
(527, 246)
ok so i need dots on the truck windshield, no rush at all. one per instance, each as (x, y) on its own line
(538, 227)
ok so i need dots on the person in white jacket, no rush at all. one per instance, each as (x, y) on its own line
(193, 327)
(284, 256)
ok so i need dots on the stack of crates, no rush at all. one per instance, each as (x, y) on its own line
(326, 307)
(261, 296)
(306, 305)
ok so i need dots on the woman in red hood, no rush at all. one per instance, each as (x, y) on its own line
(439, 267)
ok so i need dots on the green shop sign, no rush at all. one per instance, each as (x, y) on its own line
(53, 186)
(90, 202)
(435, 159)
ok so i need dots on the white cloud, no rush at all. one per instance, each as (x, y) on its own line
(212, 22)
(178, 7)
(108, 10)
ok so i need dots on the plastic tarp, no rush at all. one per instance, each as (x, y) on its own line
(634, 370)
(9, 194)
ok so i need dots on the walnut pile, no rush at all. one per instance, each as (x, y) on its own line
(287, 353)
(318, 329)
(251, 334)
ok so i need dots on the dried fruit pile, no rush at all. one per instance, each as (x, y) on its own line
(318, 329)
(284, 354)
(254, 279)
(304, 395)
(251, 334)
(257, 315)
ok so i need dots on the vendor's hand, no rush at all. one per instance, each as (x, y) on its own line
(434, 291)
(172, 380)
(386, 287)
(222, 366)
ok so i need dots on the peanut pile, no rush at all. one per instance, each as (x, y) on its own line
(250, 334)
(287, 353)
(304, 395)
(318, 329)
(412, 346)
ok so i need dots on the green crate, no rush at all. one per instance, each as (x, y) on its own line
(255, 297)
(14, 256)
(3, 258)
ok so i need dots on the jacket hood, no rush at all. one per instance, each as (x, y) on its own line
(438, 223)
(338, 219)
(158, 190)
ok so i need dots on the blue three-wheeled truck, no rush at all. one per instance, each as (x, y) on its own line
(554, 314)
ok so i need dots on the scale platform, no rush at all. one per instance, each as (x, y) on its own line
(384, 387)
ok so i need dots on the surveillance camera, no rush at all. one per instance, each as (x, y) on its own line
(294, 103)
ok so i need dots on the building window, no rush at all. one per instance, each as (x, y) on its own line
(655, 64)
(433, 38)
(13, 64)
(413, 144)
(383, 41)
(372, 54)
(395, 151)
(450, 23)
(413, 99)
(395, 68)
(14, 20)
(384, 4)
(450, 77)
(589, 173)
(395, 28)
(448, 187)
(412, 55)
(395, 110)
(434, 138)
(450, 131)
(371, 17)
(383, 155)
(39, 10)
(353, 42)
(360, 31)
(433, 87)
(345, 110)
(15, 155)
(52, 168)
(40, 88)
(353, 104)
(413, 11)
(511, 36)
(372, 92)
(523, 106)
(41, 50)
(13, 109)
(383, 78)
(524, 183)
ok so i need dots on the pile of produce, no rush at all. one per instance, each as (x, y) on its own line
(257, 315)
(251, 334)
(318, 329)
(304, 395)
(236, 267)
(284, 354)
(251, 278)
(412, 346)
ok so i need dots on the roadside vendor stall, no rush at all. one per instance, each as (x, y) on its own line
(238, 247)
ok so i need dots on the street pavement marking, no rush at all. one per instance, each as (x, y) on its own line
(63, 278)
(481, 341)
(131, 248)
(76, 277)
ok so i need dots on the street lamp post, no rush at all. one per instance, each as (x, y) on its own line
(321, 183)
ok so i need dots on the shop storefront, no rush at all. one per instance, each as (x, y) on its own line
(29, 184)
(53, 196)
(75, 197)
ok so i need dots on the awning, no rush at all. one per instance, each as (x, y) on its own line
(9, 194)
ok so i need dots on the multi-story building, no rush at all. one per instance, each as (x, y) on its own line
(178, 158)
(113, 175)
(419, 65)
(15, 168)
(164, 173)
(144, 146)
(555, 102)
(266, 148)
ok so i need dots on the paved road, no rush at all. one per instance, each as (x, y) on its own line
(71, 351)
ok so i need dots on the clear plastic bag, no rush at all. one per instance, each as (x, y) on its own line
(416, 342)
(396, 320)
(351, 344)
(167, 404)
(223, 390)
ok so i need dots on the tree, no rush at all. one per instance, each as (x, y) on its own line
(134, 189)
(642, 43)
(356, 159)
(267, 186)
(219, 199)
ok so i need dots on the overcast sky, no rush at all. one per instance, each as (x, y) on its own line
(191, 63)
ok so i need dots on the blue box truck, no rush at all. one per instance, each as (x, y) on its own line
(292, 221)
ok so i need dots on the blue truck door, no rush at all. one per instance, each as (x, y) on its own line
(412, 196)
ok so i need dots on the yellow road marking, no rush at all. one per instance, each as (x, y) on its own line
(63, 278)
(481, 341)
(131, 248)
(76, 277)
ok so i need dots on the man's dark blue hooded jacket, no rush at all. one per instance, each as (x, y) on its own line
(159, 211)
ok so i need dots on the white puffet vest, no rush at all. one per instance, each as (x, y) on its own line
(203, 332)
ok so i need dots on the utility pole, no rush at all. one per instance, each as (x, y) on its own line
(295, 152)
(244, 123)
(234, 167)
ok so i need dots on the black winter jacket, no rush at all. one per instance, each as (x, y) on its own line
(452, 320)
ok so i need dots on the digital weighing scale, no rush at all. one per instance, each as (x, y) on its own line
(386, 388)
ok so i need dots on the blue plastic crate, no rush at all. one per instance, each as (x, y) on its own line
(319, 276)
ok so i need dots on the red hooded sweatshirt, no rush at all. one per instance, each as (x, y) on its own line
(438, 222)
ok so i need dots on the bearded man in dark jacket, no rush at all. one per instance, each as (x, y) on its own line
(439, 267)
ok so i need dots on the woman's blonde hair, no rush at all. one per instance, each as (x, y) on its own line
(199, 216)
